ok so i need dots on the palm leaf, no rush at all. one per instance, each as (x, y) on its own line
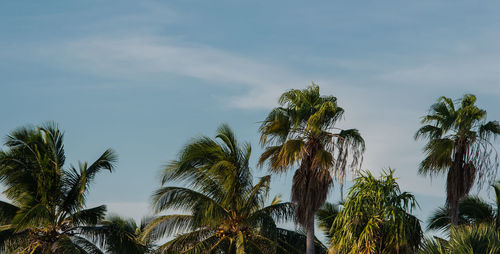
(90, 216)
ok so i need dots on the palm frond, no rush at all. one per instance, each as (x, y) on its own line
(193, 242)
(280, 212)
(183, 198)
(376, 218)
(7, 212)
(257, 194)
(90, 216)
(27, 217)
(85, 245)
(326, 216)
(168, 225)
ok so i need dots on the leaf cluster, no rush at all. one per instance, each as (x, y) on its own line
(47, 199)
(376, 218)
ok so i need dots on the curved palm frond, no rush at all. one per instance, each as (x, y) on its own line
(76, 182)
(90, 216)
(326, 216)
(168, 225)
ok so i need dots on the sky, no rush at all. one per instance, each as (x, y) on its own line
(144, 77)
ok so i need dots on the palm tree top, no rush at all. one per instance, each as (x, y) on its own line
(305, 115)
(375, 218)
(47, 199)
(209, 165)
(445, 120)
(225, 209)
(302, 113)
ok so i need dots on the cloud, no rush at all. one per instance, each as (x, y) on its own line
(481, 75)
(146, 58)
(384, 101)
(471, 65)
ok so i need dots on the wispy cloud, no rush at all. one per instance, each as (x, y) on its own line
(374, 102)
(481, 74)
(469, 65)
(154, 57)
(144, 58)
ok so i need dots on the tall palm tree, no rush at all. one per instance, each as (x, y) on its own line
(458, 144)
(47, 200)
(376, 218)
(471, 210)
(224, 211)
(302, 130)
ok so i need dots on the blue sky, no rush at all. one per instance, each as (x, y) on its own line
(143, 77)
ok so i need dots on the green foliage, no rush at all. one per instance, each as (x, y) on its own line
(376, 218)
(471, 210)
(458, 144)
(477, 238)
(326, 216)
(47, 208)
(118, 235)
(226, 212)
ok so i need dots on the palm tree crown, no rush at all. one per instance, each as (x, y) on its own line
(302, 131)
(227, 213)
(459, 143)
(117, 235)
(47, 208)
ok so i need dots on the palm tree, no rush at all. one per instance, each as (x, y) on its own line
(117, 235)
(47, 200)
(459, 144)
(376, 218)
(471, 210)
(478, 238)
(226, 212)
(302, 131)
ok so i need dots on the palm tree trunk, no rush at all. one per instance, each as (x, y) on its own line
(454, 214)
(341, 191)
(310, 236)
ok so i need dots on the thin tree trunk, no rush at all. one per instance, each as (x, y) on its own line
(341, 191)
(310, 236)
(454, 214)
